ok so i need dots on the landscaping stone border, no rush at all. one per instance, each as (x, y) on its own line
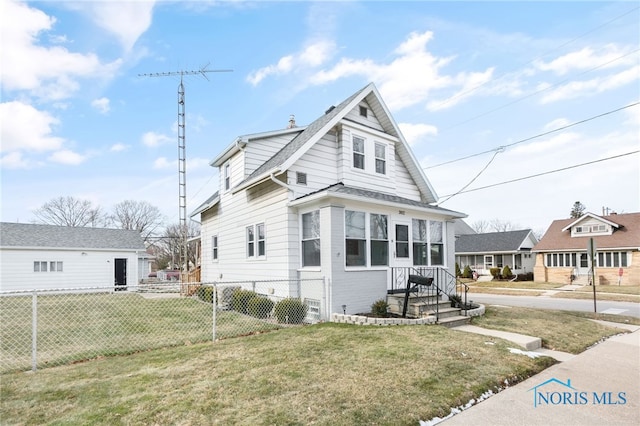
(363, 320)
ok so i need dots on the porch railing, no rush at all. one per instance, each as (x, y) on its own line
(443, 283)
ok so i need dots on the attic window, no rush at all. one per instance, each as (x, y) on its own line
(301, 178)
(363, 111)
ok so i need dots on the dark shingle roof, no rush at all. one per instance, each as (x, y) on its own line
(298, 142)
(340, 188)
(51, 236)
(491, 242)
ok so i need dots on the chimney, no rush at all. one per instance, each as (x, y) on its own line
(292, 122)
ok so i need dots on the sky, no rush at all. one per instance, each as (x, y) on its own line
(503, 103)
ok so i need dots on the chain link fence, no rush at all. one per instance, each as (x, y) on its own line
(54, 327)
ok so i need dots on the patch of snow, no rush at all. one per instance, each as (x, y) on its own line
(457, 410)
(527, 353)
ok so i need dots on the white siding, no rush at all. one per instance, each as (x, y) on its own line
(320, 165)
(94, 268)
(265, 203)
(370, 120)
(258, 151)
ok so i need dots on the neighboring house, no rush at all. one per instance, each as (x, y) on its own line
(342, 199)
(57, 257)
(481, 252)
(562, 252)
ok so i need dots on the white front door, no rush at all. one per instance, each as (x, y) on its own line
(401, 247)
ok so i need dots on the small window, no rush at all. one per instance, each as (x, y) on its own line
(358, 153)
(301, 178)
(256, 240)
(363, 111)
(214, 247)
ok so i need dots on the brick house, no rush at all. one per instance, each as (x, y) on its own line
(562, 251)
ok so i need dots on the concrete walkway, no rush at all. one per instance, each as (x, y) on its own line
(599, 386)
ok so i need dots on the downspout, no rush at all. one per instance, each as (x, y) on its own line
(279, 182)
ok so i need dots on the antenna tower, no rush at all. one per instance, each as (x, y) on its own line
(182, 158)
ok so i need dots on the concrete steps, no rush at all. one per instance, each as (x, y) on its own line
(428, 306)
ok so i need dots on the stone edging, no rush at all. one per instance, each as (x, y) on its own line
(362, 320)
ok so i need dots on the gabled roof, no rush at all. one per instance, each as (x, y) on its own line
(590, 216)
(492, 242)
(339, 190)
(291, 152)
(27, 235)
(627, 235)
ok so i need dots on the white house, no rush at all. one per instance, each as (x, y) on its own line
(481, 252)
(63, 257)
(343, 199)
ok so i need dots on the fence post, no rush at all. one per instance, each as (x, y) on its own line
(34, 331)
(214, 305)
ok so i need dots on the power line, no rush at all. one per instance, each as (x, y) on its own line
(543, 173)
(502, 147)
(446, 101)
(475, 177)
(537, 92)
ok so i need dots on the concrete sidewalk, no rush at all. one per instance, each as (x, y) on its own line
(599, 386)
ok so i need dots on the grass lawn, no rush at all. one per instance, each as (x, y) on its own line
(76, 327)
(327, 374)
(559, 330)
(529, 285)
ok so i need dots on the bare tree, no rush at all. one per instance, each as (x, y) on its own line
(493, 225)
(480, 226)
(70, 211)
(138, 215)
(172, 240)
(498, 225)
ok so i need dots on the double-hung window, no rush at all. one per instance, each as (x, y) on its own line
(366, 230)
(356, 238)
(379, 239)
(381, 161)
(358, 152)
(256, 240)
(436, 245)
(428, 242)
(214, 247)
(227, 177)
(311, 238)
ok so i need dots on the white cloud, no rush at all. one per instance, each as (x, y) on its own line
(586, 58)
(153, 139)
(416, 133)
(577, 89)
(25, 128)
(118, 147)
(314, 55)
(49, 73)
(68, 157)
(102, 105)
(126, 20)
(14, 160)
(410, 78)
(163, 163)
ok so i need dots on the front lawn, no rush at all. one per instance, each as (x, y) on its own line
(327, 374)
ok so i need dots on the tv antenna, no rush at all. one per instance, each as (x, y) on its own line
(182, 160)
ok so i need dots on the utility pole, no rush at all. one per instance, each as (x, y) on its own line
(182, 157)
